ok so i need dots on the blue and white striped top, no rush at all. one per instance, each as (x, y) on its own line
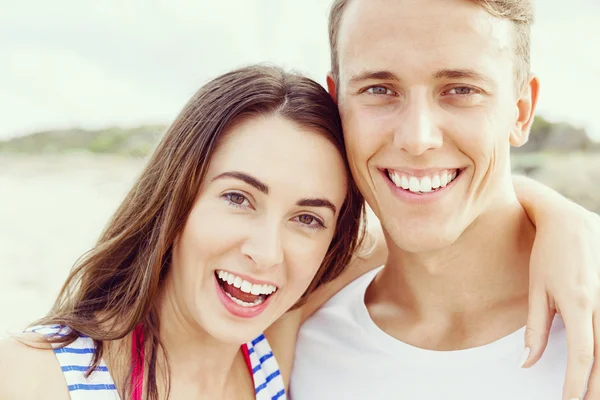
(76, 358)
(268, 383)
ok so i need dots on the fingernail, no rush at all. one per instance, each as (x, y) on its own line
(524, 358)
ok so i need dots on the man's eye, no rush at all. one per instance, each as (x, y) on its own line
(462, 90)
(379, 90)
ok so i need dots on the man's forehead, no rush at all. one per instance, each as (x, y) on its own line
(443, 32)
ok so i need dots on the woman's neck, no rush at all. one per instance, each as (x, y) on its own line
(197, 362)
(198, 365)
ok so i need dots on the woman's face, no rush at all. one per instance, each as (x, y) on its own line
(259, 229)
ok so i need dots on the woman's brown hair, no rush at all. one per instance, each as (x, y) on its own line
(112, 289)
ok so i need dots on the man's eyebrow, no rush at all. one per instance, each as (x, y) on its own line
(250, 180)
(460, 74)
(385, 75)
(317, 203)
(382, 75)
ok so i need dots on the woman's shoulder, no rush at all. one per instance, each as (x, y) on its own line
(29, 369)
(282, 339)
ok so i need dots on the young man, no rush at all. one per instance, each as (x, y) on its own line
(432, 94)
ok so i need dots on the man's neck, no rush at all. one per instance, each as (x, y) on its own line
(471, 293)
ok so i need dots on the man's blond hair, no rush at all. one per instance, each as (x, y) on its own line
(519, 12)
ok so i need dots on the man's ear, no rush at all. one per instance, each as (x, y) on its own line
(526, 104)
(331, 87)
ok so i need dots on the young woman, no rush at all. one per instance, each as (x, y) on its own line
(245, 208)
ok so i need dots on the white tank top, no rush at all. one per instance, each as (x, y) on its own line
(342, 354)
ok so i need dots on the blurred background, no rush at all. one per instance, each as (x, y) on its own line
(87, 88)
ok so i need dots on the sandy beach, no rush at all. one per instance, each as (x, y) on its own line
(52, 209)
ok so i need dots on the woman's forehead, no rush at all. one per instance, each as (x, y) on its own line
(283, 155)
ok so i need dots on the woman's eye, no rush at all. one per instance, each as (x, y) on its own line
(379, 90)
(237, 199)
(310, 221)
(306, 219)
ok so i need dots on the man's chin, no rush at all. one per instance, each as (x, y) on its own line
(421, 241)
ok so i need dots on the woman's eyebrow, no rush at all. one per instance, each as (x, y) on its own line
(250, 180)
(317, 203)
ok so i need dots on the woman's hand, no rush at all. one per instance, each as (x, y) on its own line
(564, 278)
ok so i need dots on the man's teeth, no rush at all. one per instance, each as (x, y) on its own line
(424, 184)
(244, 285)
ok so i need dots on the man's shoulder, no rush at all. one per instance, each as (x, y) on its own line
(29, 369)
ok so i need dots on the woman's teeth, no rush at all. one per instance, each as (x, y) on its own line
(244, 285)
(423, 184)
(242, 292)
(239, 302)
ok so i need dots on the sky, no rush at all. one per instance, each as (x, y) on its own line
(93, 64)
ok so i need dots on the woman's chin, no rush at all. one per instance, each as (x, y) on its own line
(235, 333)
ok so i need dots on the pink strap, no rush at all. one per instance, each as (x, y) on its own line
(246, 354)
(137, 360)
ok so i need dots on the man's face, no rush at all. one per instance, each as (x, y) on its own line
(429, 105)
